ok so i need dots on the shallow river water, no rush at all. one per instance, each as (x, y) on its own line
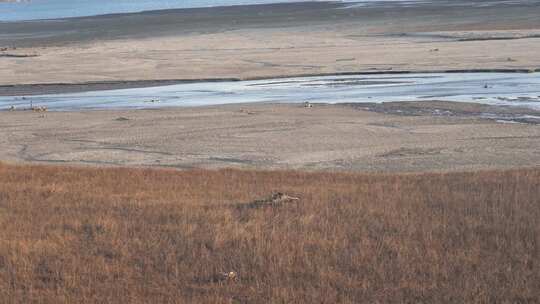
(514, 89)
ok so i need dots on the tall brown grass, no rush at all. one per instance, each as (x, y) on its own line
(88, 235)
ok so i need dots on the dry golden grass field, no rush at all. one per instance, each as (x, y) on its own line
(96, 235)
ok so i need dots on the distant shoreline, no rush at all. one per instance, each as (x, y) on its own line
(181, 21)
(168, 10)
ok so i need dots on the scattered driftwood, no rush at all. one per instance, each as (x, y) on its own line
(246, 112)
(276, 199)
(121, 118)
(226, 276)
(345, 59)
(407, 152)
(220, 277)
(17, 55)
(39, 109)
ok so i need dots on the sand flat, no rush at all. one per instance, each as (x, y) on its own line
(244, 54)
(268, 136)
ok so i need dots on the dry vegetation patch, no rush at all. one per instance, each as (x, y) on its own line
(90, 235)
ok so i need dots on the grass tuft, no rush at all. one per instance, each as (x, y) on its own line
(94, 235)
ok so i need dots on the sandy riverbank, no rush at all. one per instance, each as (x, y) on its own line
(433, 137)
(265, 41)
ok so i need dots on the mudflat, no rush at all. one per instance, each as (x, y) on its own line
(390, 137)
(261, 41)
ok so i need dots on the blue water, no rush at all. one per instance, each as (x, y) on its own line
(53, 9)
